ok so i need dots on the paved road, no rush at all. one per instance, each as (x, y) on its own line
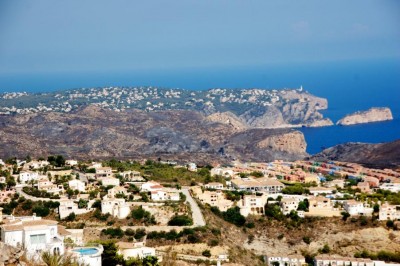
(198, 219)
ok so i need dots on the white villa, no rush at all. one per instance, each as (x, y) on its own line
(110, 181)
(393, 187)
(389, 212)
(289, 204)
(151, 186)
(264, 184)
(135, 250)
(35, 165)
(320, 190)
(192, 167)
(325, 260)
(132, 176)
(117, 207)
(225, 172)
(69, 206)
(113, 192)
(252, 204)
(213, 198)
(71, 162)
(356, 208)
(214, 185)
(27, 176)
(102, 172)
(33, 234)
(286, 260)
(76, 184)
(164, 195)
(50, 187)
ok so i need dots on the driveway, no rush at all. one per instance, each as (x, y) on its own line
(198, 218)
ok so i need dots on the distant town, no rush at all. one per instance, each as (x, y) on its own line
(145, 98)
(159, 211)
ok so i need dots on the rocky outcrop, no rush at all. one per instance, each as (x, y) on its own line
(372, 115)
(380, 155)
(291, 142)
(228, 118)
(97, 133)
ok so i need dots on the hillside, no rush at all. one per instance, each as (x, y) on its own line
(254, 108)
(374, 155)
(94, 132)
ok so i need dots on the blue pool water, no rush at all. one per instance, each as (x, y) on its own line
(86, 251)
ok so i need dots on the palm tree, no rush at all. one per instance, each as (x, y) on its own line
(51, 259)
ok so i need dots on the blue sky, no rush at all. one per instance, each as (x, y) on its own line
(47, 36)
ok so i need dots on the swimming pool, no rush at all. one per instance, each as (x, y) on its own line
(86, 251)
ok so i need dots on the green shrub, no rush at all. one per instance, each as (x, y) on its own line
(206, 253)
(180, 220)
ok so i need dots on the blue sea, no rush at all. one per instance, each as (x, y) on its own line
(349, 86)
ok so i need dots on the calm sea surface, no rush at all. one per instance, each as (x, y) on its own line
(349, 86)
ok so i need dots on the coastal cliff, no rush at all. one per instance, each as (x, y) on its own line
(379, 155)
(135, 134)
(374, 114)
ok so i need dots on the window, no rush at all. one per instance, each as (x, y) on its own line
(38, 239)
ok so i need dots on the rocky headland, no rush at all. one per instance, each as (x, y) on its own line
(374, 114)
(381, 155)
(98, 133)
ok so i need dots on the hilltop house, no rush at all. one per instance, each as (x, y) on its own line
(326, 260)
(33, 234)
(364, 187)
(131, 176)
(320, 190)
(69, 206)
(151, 186)
(118, 190)
(76, 184)
(214, 185)
(286, 260)
(110, 181)
(321, 206)
(252, 204)
(192, 167)
(134, 250)
(164, 195)
(50, 187)
(289, 204)
(213, 198)
(26, 176)
(103, 172)
(393, 187)
(71, 162)
(264, 184)
(389, 212)
(225, 172)
(354, 207)
(117, 207)
(35, 165)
